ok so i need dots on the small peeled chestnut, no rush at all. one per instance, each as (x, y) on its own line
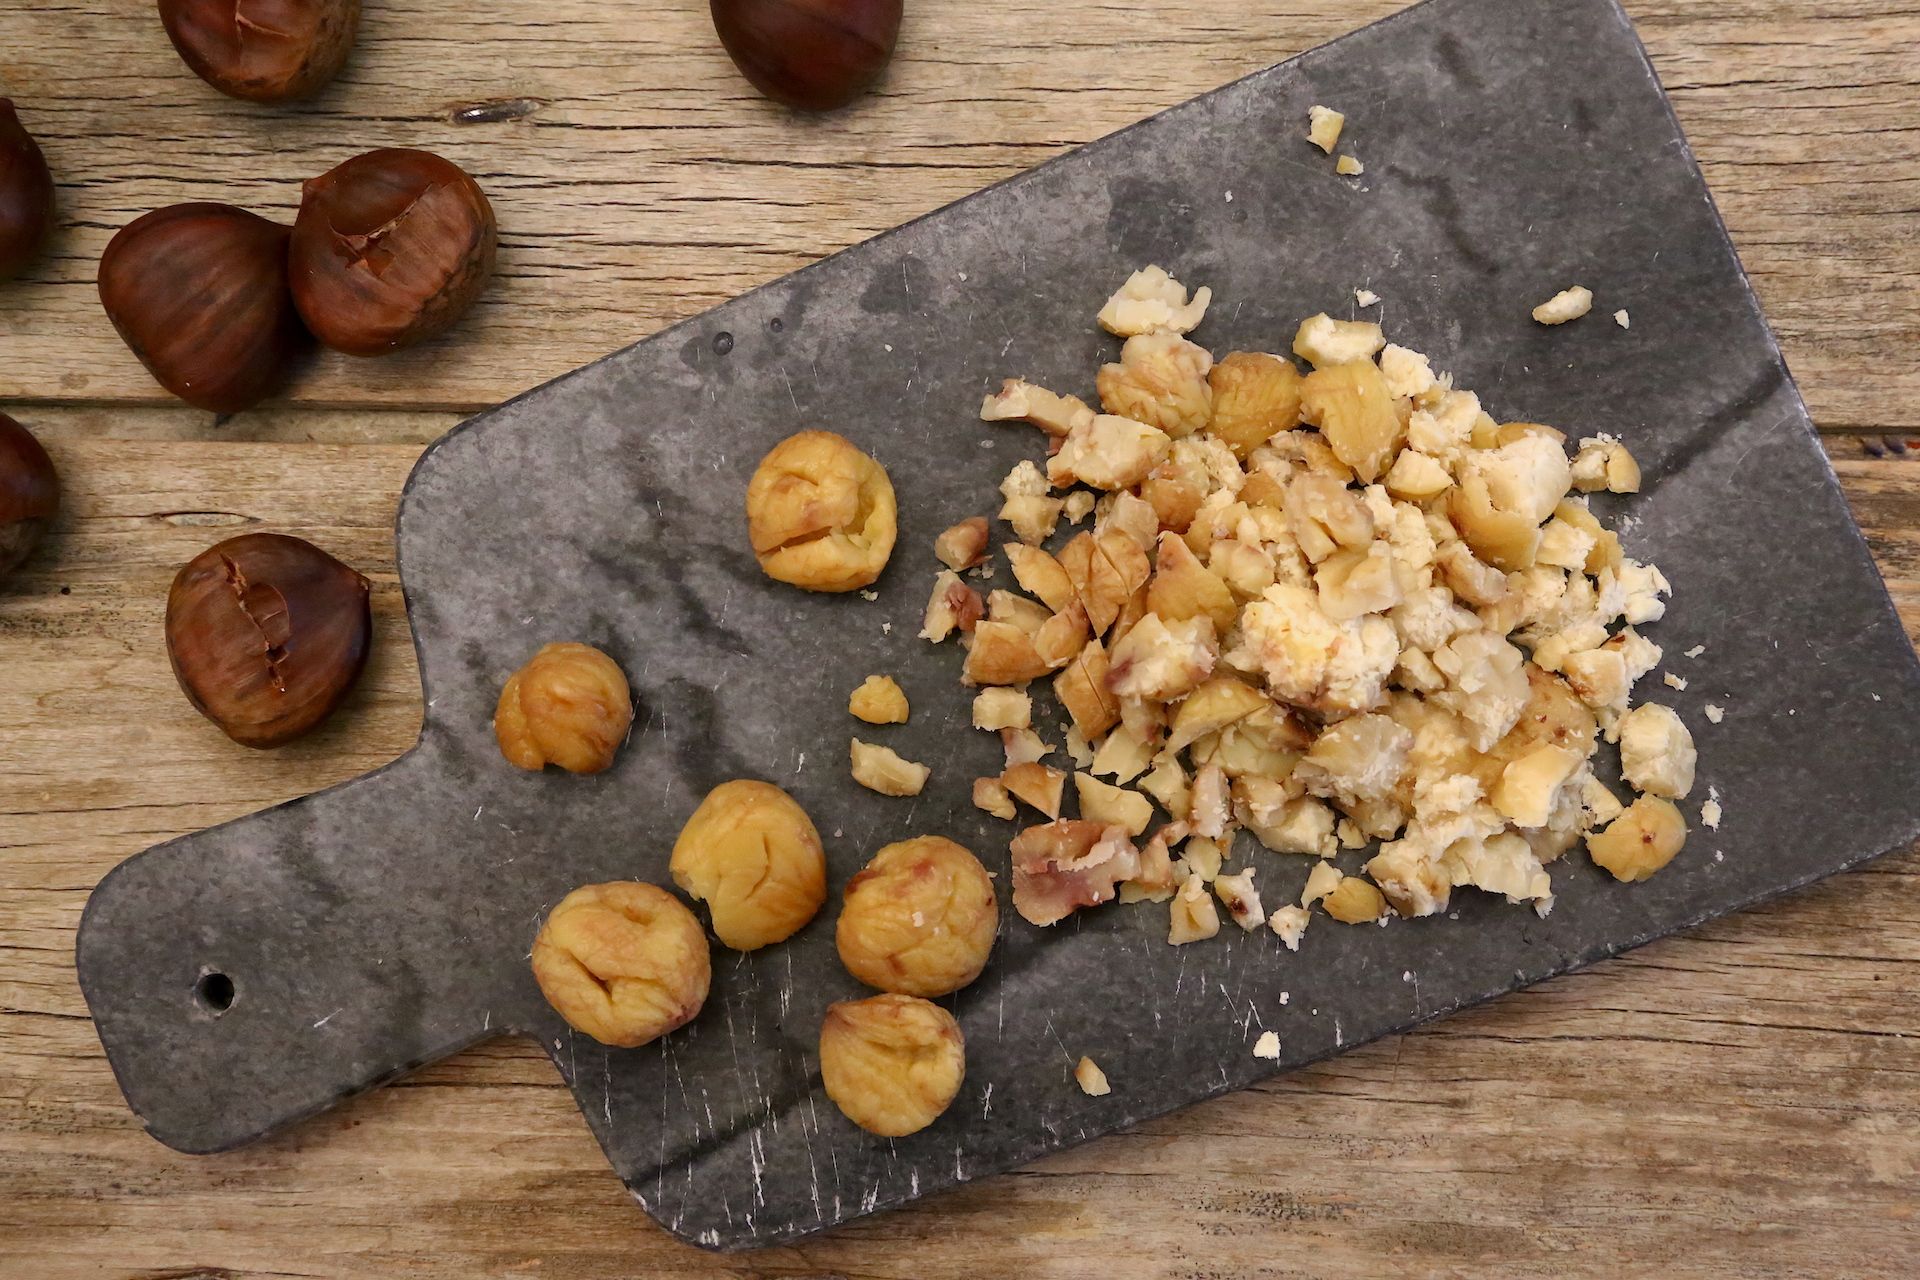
(26, 195)
(919, 919)
(263, 50)
(814, 55)
(267, 634)
(570, 705)
(390, 248)
(624, 962)
(753, 856)
(29, 494)
(891, 1063)
(199, 292)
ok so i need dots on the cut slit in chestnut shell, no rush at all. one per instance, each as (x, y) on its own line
(29, 494)
(267, 635)
(390, 248)
(199, 292)
(26, 195)
(263, 50)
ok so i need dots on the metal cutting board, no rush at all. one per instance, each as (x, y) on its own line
(1512, 147)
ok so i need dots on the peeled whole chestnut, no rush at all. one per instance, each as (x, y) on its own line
(267, 635)
(29, 494)
(811, 54)
(389, 249)
(263, 50)
(199, 292)
(26, 195)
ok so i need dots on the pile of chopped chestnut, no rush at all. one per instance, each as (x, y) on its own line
(1322, 609)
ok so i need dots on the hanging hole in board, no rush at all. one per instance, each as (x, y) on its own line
(214, 992)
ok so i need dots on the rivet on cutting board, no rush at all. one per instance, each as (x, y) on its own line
(722, 343)
(777, 324)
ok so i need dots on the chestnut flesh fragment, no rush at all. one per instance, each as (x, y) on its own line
(263, 50)
(267, 635)
(389, 249)
(26, 195)
(29, 494)
(199, 292)
(814, 55)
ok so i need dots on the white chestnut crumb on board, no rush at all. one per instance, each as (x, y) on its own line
(879, 700)
(1308, 603)
(1348, 167)
(1091, 1079)
(1568, 304)
(1152, 301)
(1267, 1046)
(882, 769)
(1323, 127)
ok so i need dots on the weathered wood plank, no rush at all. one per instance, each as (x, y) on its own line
(651, 184)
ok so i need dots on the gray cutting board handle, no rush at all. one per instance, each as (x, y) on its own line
(259, 972)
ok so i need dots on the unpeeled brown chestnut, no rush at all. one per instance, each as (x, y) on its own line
(811, 54)
(267, 635)
(389, 249)
(29, 494)
(263, 50)
(199, 291)
(26, 195)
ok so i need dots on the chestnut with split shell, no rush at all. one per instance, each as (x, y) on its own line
(263, 50)
(390, 249)
(813, 55)
(199, 292)
(29, 494)
(26, 195)
(267, 634)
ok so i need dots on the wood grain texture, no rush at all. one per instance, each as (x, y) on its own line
(1744, 1100)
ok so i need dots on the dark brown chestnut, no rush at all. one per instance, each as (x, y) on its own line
(29, 494)
(199, 291)
(26, 195)
(263, 50)
(267, 634)
(811, 54)
(389, 249)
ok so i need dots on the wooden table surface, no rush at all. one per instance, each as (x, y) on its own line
(1741, 1101)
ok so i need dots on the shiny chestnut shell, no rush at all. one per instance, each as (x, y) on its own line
(29, 494)
(26, 195)
(811, 54)
(199, 292)
(274, 51)
(390, 248)
(267, 634)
